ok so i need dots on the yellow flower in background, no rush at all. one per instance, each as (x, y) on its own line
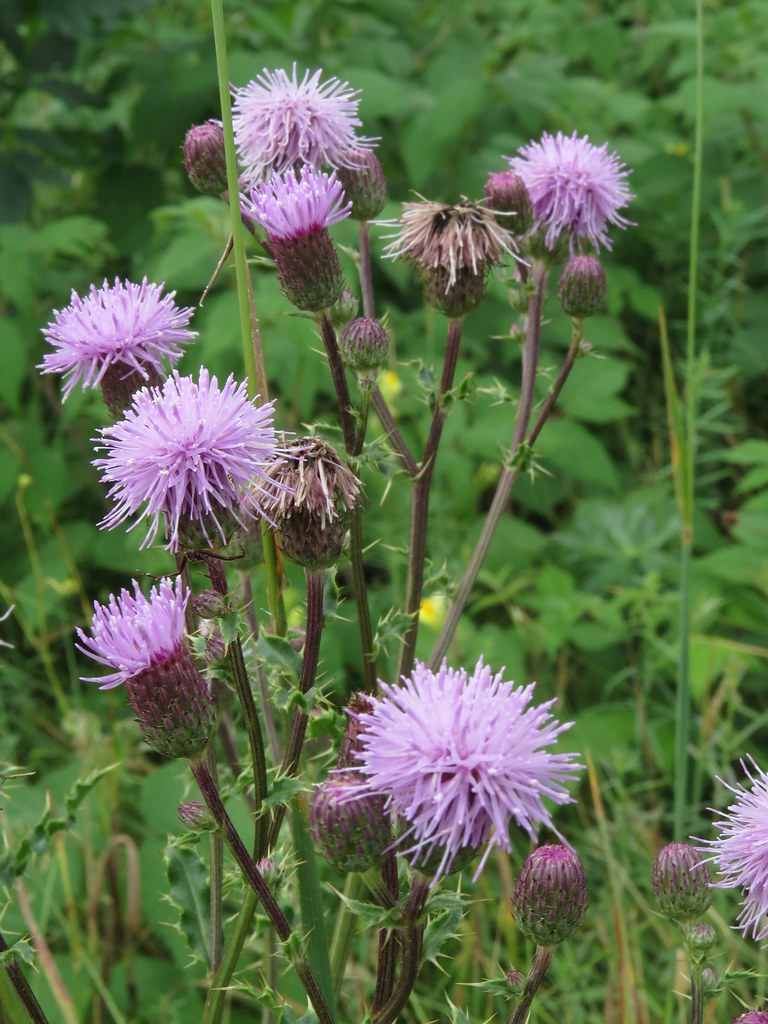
(432, 611)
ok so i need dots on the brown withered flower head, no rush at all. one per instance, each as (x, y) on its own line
(455, 246)
(308, 494)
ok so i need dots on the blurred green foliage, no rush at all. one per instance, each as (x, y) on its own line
(580, 587)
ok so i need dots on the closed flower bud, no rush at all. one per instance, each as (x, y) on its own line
(752, 1017)
(701, 937)
(582, 286)
(364, 184)
(196, 815)
(710, 984)
(515, 982)
(344, 308)
(682, 883)
(351, 832)
(505, 192)
(359, 704)
(209, 604)
(204, 159)
(364, 345)
(550, 897)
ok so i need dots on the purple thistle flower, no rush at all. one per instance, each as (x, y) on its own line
(280, 123)
(142, 639)
(457, 757)
(576, 188)
(184, 451)
(130, 328)
(740, 852)
(289, 207)
(134, 633)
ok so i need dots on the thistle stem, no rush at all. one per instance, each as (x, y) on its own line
(411, 937)
(364, 268)
(328, 334)
(535, 977)
(314, 630)
(498, 505)
(216, 881)
(417, 534)
(392, 431)
(361, 599)
(256, 881)
(697, 994)
(237, 933)
(388, 943)
(23, 990)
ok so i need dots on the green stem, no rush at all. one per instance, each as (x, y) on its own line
(233, 192)
(237, 933)
(344, 931)
(503, 489)
(535, 976)
(256, 881)
(417, 534)
(697, 993)
(682, 697)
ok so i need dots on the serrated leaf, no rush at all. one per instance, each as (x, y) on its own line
(230, 626)
(283, 790)
(189, 892)
(457, 1014)
(277, 654)
(21, 949)
(438, 932)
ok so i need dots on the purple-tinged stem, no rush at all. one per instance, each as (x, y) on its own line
(411, 942)
(498, 505)
(216, 887)
(534, 979)
(256, 881)
(261, 676)
(361, 599)
(388, 943)
(298, 728)
(23, 990)
(697, 993)
(417, 534)
(328, 334)
(393, 434)
(366, 280)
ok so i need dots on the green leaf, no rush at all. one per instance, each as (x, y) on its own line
(189, 893)
(278, 655)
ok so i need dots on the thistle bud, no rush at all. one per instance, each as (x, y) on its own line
(682, 883)
(364, 185)
(359, 703)
(550, 897)
(582, 286)
(173, 707)
(345, 308)
(209, 604)
(364, 345)
(752, 1017)
(204, 159)
(710, 984)
(505, 192)
(351, 832)
(515, 982)
(195, 815)
(701, 937)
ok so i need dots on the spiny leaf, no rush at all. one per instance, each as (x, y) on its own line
(190, 893)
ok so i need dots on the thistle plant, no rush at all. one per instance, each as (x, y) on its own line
(443, 770)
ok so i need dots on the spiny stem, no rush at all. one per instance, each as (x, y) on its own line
(498, 505)
(417, 534)
(328, 334)
(392, 431)
(23, 990)
(411, 941)
(256, 881)
(534, 979)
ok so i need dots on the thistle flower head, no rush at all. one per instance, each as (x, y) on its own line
(550, 897)
(682, 883)
(142, 640)
(182, 453)
(752, 1017)
(364, 184)
(127, 329)
(291, 206)
(740, 852)
(308, 492)
(506, 192)
(458, 757)
(577, 189)
(280, 123)
(133, 633)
